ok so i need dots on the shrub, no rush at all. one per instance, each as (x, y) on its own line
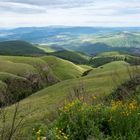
(75, 121)
(80, 121)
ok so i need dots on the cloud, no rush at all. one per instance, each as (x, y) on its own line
(15, 13)
(20, 8)
(54, 3)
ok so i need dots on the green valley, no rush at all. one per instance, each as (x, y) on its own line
(70, 85)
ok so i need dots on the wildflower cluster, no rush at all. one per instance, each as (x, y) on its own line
(80, 120)
(123, 118)
(38, 134)
(75, 121)
(61, 135)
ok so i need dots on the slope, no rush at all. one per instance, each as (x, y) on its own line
(41, 104)
(63, 69)
(76, 57)
(107, 57)
(19, 48)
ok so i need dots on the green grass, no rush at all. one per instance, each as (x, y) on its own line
(63, 69)
(29, 74)
(46, 49)
(100, 81)
(110, 67)
(42, 103)
(4, 76)
(76, 57)
(108, 57)
(87, 67)
(19, 48)
(40, 66)
(16, 68)
(113, 53)
(34, 61)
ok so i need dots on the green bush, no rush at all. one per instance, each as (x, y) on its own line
(75, 121)
(81, 121)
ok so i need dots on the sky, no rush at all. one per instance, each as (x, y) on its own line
(105, 13)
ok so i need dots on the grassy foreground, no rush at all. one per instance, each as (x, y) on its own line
(40, 105)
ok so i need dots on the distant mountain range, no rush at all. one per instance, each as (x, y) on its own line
(90, 40)
(56, 34)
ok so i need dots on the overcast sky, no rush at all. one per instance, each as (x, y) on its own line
(17, 13)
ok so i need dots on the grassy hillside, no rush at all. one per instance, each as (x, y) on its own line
(115, 117)
(98, 82)
(50, 49)
(108, 57)
(16, 68)
(63, 69)
(29, 74)
(76, 57)
(19, 48)
(110, 67)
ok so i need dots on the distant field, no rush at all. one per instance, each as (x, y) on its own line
(19, 48)
(63, 69)
(76, 57)
(107, 57)
(94, 44)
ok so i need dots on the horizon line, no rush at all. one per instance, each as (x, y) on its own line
(69, 26)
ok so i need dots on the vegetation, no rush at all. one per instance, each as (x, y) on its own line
(76, 57)
(30, 74)
(79, 120)
(113, 41)
(108, 57)
(50, 49)
(70, 95)
(63, 69)
(42, 105)
(88, 117)
(19, 48)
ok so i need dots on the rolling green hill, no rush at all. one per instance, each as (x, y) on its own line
(44, 78)
(29, 74)
(19, 48)
(42, 83)
(110, 67)
(107, 57)
(99, 82)
(50, 49)
(16, 68)
(63, 69)
(76, 57)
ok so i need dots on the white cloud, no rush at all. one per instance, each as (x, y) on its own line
(12, 7)
(72, 12)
